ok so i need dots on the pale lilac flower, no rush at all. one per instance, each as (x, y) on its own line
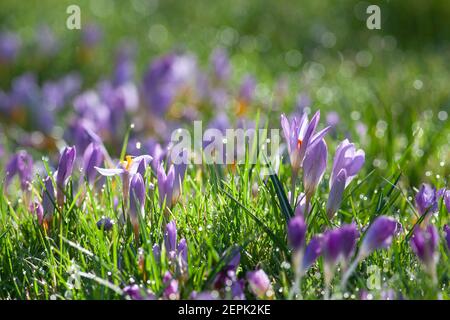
(426, 199)
(300, 135)
(166, 185)
(182, 255)
(20, 164)
(379, 235)
(350, 159)
(10, 44)
(314, 166)
(37, 210)
(336, 191)
(447, 199)
(48, 200)
(424, 243)
(137, 201)
(93, 157)
(312, 252)
(259, 284)
(221, 64)
(65, 168)
(170, 240)
(296, 232)
(156, 250)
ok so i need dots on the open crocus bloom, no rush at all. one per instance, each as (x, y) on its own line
(300, 135)
(130, 165)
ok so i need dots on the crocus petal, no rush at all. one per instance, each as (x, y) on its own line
(109, 172)
(335, 196)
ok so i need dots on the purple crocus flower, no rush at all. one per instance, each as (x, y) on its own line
(125, 169)
(447, 235)
(171, 290)
(170, 240)
(331, 251)
(137, 201)
(20, 164)
(312, 252)
(10, 45)
(93, 157)
(336, 191)
(166, 185)
(92, 35)
(259, 284)
(379, 235)
(296, 232)
(182, 256)
(300, 135)
(65, 168)
(221, 64)
(348, 161)
(314, 166)
(426, 199)
(48, 200)
(247, 90)
(135, 293)
(37, 210)
(424, 243)
(349, 235)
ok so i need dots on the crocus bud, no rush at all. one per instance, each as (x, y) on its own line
(48, 200)
(336, 191)
(165, 185)
(38, 211)
(312, 252)
(92, 157)
(426, 200)
(349, 235)
(137, 200)
(65, 168)
(20, 164)
(182, 256)
(348, 158)
(259, 284)
(331, 249)
(379, 235)
(447, 235)
(424, 243)
(314, 167)
(296, 232)
(170, 240)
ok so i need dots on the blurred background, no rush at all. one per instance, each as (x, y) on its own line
(388, 89)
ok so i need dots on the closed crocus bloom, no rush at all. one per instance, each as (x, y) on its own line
(348, 158)
(447, 235)
(156, 250)
(312, 252)
(105, 223)
(314, 167)
(137, 200)
(48, 200)
(65, 168)
(300, 135)
(349, 235)
(336, 192)
(331, 250)
(92, 157)
(170, 240)
(426, 199)
(379, 235)
(37, 209)
(424, 243)
(259, 284)
(20, 164)
(296, 232)
(165, 185)
(182, 256)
